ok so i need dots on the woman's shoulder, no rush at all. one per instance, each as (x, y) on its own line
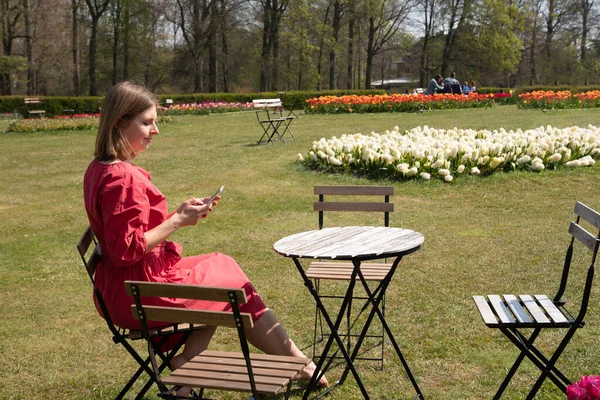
(115, 171)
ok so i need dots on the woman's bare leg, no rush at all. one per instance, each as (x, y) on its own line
(196, 343)
(269, 336)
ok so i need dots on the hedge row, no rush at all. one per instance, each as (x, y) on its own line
(90, 105)
(296, 100)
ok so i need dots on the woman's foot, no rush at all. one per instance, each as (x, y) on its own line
(307, 373)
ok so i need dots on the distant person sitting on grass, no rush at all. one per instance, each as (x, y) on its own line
(130, 218)
(452, 85)
(473, 86)
(435, 85)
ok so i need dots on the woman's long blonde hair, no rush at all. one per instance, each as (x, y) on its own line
(123, 102)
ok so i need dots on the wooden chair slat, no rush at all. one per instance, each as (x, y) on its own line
(583, 236)
(183, 315)
(348, 265)
(500, 309)
(260, 363)
(242, 376)
(84, 242)
(534, 310)
(195, 292)
(355, 190)
(591, 216)
(517, 309)
(238, 369)
(485, 311)
(220, 384)
(353, 206)
(257, 356)
(551, 309)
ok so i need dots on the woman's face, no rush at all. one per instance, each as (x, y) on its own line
(140, 129)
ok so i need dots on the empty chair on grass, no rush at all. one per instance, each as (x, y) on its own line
(513, 314)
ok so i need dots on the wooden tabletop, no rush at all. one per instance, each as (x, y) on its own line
(350, 242)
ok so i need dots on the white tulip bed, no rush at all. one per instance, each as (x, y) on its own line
(427, 153)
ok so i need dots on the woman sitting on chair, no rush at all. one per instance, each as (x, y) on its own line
(130, 219)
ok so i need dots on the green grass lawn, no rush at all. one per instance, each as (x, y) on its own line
(506, 233)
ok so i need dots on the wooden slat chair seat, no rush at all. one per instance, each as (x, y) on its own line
(89, 250)
(259, 374)
(511, 313)
(342, 270)
(271, 116)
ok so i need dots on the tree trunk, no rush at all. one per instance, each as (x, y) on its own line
(337, 17)
(349, 68)
(453, 29)
(75, 43)
(370, 53)
(320, 53)
(96, 12)
(274, 84)
(225, 63)
(532, 61)
(115, 45)
(29, 48)
(126, 30)
(586, 6)
(93, 39)
(429, 6)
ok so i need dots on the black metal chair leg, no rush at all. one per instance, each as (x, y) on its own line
(548, 370)
(515, 366)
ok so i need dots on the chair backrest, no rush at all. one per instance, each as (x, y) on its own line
(144, 313)
(384, 206)
(33, 100)
(267, 103)
(580, 234)
(90, 256)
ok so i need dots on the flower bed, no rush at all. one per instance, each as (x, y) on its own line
(77, 116)
(205, 108)
(61, 123)
(550, 100)
(401, 102)
(427, 153)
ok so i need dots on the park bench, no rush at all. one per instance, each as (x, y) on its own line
(271, 117)
(33, 105)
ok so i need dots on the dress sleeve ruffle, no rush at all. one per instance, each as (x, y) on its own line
(125, 213)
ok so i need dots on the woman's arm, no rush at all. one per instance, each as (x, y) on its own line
(188, 213)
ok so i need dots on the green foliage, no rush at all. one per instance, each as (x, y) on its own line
(498, 43)
(53, 105)
(63, 124)
(12, 64)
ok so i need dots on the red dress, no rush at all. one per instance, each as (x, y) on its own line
(121, 205)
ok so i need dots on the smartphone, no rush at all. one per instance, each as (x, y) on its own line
(210, 200)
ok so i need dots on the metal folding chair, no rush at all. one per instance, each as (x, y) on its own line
(342, 271)
(511, 314)
(89, 250)
(273, 118)
(259, 374)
